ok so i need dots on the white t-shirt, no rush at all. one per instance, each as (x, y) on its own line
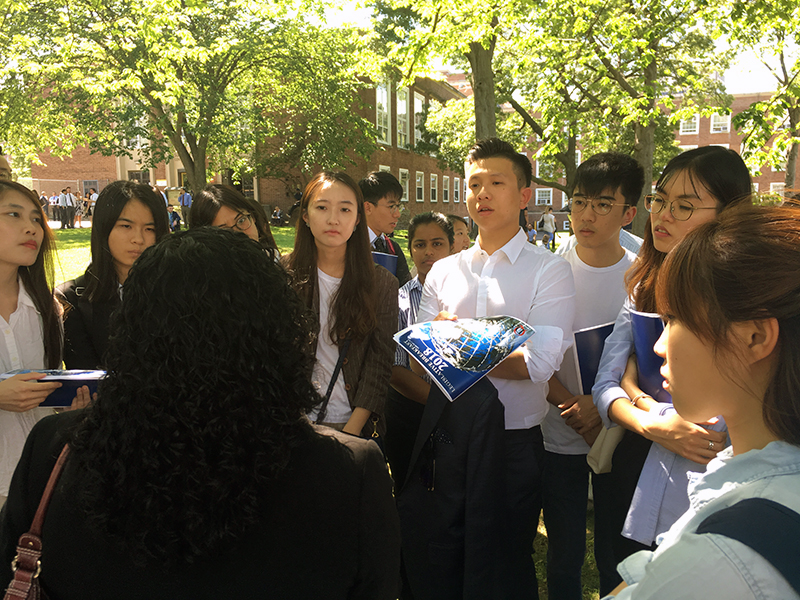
(339, 410)
(22, 347)
(599, 294)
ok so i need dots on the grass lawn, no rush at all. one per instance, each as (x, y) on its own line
(74, 256)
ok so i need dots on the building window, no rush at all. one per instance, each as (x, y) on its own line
(419, 115)
(434, 187)
(404, 182)
(88, 185)
(139, 176)
(383, 112)
(384, 169)
(544, 196)
(402, 117)
(456, 188)
(420, 188)
(720, 123)
(690, 125)
(445, 188)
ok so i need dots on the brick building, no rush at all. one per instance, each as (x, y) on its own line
(396, 111)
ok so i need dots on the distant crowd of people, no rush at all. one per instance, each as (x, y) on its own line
(230, 450)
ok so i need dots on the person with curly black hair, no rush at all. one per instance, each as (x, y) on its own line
(196, 473)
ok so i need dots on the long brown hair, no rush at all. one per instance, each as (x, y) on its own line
(744, 266)
(353, 310)
(38, 280)
(723, 174)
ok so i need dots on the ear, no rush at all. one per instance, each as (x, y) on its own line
(525, 197)
(759, 337)
(627, 216)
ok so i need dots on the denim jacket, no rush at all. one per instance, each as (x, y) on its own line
(688, 565)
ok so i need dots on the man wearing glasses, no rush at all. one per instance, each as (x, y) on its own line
(382, 193)
(607, 188)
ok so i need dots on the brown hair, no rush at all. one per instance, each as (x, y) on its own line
(723, 174)
(353, 308)
(744, 266)
(38, 280)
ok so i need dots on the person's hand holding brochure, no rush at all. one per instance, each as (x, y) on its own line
(456, 354)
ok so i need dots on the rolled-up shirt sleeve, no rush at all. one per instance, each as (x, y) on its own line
(617, 349)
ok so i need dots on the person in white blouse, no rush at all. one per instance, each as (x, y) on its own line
(29, 320)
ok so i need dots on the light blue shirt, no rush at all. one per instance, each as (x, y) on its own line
(688, 565)
(660, 496)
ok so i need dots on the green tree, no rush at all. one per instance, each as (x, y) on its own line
(189, 77)
(771, 127)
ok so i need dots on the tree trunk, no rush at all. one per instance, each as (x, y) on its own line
(791, 159)
(643, 149)
(480, 60)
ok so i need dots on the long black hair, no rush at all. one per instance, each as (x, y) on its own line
(102, 282)
(38, 280)
(209, 382)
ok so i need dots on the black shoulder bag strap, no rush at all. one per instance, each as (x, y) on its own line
(768, 528)
(323, 409)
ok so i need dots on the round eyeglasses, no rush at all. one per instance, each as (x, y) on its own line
(601, 206)
(243, 222)
(682, 210)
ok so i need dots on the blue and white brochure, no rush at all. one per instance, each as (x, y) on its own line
(456, 354)
(70, 382)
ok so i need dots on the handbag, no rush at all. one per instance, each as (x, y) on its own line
(599, 457)
(27, 564)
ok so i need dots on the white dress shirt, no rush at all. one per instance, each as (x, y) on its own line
(519, 280)
(22, 348)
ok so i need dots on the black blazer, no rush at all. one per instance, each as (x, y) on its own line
(85, 326)
(452, 503)
(329, 530)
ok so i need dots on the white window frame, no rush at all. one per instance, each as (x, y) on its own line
(445, 188)
(777, 187)
(544, 196)
(420, 181)
(419, 102)
(402, 118)
(383, 114)
(434, 187)
(720, 123)
(404, 179)
(456, 189)
(690, 126)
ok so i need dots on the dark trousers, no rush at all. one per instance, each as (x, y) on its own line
(524, 462)
(402, 418)
(565, 493)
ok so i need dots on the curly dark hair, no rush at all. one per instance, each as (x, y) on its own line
(208, 385)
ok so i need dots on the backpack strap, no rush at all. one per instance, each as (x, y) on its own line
(770, 529)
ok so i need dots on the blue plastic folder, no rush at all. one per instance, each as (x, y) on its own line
(387, 261)
(70, 382)
(588, 349)
(647, 328)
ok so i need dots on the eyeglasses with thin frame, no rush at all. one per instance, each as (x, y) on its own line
(682, 210)
(601, 205)
(243, 222)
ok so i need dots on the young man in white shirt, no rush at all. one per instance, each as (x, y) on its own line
(502, 274)
(607, 188)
